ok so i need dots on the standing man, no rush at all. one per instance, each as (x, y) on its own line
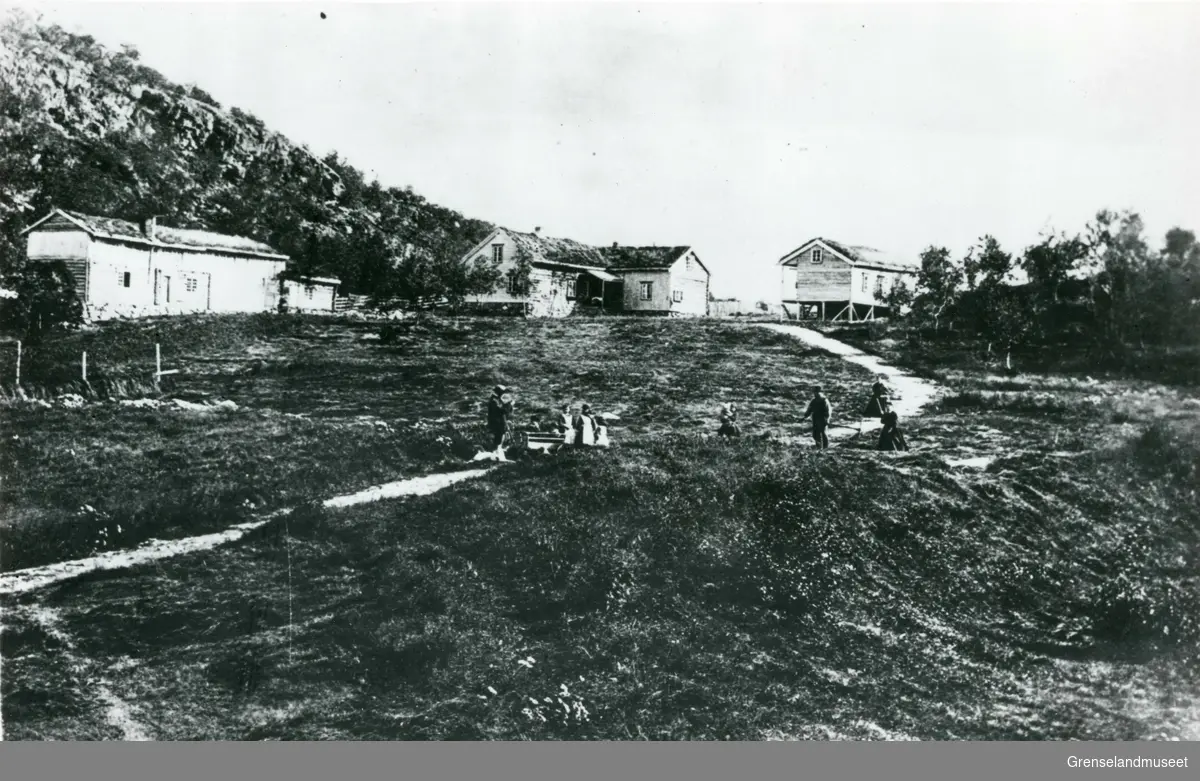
(821, 411)
(500, 410)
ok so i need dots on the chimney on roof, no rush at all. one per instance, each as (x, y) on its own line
(148, 226)
(616, 244)
(538, 229)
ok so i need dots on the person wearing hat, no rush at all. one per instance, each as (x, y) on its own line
(879, 405)
(585, 427)
(500, 410)
(820, 410)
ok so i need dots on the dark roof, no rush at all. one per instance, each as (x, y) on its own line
(863, 256)
(123, 230)
(643, 258)
(546, 250)
(557, 250)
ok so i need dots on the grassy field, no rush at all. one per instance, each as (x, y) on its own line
(325, 408)
(674, 587)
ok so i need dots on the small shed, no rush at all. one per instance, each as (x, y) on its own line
(310, 294)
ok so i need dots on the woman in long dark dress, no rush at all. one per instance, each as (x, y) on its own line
(891, 437)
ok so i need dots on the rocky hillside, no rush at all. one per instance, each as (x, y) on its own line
(86, 128)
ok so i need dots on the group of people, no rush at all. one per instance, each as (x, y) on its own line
(583, 428)
(820, 409)
(587, 429)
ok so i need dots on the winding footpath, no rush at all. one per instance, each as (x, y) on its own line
(25, 580)
(117, 712)
(913, 394)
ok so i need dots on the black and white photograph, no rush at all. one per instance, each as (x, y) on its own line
(613, 371)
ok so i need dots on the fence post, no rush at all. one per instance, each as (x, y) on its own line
(157, 360)
(84, 363)
(18, 363)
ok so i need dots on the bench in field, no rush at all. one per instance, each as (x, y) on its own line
(543, 440)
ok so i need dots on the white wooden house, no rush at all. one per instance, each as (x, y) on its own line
(563, 274)
(310, 294)
(123, 269)
(833, 281)
(661, 280)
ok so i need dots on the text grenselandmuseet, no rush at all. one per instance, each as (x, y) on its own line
(1074, 761)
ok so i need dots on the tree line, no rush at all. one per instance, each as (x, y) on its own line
(1107, 288)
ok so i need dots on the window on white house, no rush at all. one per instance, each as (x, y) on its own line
(190, 284)
(308, 291)
(677, 296)
(864, 282)
(124, 278)
(646, 290)
(498, 253)
(816, 256)
(515, 287)
(879, 285)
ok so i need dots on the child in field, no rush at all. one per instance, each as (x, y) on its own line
(729, 426)
(602, 430)
(821, 412)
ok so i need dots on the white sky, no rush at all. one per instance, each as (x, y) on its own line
(742, 130)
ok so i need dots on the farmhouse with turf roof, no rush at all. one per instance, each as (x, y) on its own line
(126, 269)
(550, 277)
(830, 280)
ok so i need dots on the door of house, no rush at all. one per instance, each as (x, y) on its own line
(162, 288)
(194, 292)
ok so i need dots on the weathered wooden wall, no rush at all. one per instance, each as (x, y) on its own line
(68, 244)
(302, 297)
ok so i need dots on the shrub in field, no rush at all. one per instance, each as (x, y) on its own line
(45, 301)
(1013, 401)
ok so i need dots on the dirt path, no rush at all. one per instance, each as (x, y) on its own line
(22, 581)
(117, 711)
(911, 394)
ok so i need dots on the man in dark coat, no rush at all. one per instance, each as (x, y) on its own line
(500, 410)
(820, 410)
